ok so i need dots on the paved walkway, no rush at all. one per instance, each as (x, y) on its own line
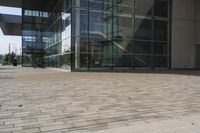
(181, 124)
(40, 101)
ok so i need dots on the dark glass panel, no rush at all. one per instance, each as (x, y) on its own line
(80, 3)
(141, 47)
(79, 44)
(122, 61)
(121, 46)
(84, 44)
(143, 29)
(123, 2)
(160, 30)
(83, 61)
(161, 8)
(160, 61)
(143, 61)
(143, 7)
(123, 22)
(160, 49)
(100, 61)
(67, 4)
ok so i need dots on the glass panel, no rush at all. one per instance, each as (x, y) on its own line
(143, 47)
(160, 61)
(123, 2)
(122, 61)
(100, 25)
(160, 30)
(144, 7)
(143, 29)
(143, 61)
(122, 46)
(160, 49)
(99, 46)
(66, 46)
(47, 32)
(96, 33)
(80, 22)
(26, 60)
(65, 61)
(161, 8)
(82, 62)
(100, 61)
(80, 3)
(123, 22)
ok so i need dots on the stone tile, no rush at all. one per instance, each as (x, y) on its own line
(57, 102)
(6, 126)
(85, 123)
(52, 128)
(33, 130)
(10, 129)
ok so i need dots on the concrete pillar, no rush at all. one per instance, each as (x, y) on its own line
(197, 22)
(77, 34)
(197, 33)
(183, 33)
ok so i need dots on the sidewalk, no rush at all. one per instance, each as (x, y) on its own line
(51, 101)
(182, 124)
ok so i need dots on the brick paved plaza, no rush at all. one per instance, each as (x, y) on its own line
(45, 100)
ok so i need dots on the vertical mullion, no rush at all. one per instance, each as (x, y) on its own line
(72, 53)
(112, 32)
(88, 52)
(133, 43)
(152, 39)
(169, 43)
(22, 53)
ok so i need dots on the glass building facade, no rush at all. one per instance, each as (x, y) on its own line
(97, 34)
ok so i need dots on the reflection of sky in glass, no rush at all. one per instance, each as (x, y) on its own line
(10, 10)
(66, 44)
(36, 13)
(65, 15)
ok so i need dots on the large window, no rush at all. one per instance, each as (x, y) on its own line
(121, 34)
(97, 34)
(47, 33)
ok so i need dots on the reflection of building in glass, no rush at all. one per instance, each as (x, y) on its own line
(97, 34)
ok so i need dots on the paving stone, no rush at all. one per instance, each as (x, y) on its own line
(33, 130)
(52, 128)
(85, 123)
(56, 102)
(10, 129)
(107, 120)
(6, 126)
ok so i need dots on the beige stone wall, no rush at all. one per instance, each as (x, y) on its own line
(197, 33)
(197, 23)
(183, 33)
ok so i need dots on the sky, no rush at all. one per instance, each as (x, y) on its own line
(14, 41)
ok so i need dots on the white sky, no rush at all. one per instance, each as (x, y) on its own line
(14, 41)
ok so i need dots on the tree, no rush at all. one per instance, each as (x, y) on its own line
(8, 58)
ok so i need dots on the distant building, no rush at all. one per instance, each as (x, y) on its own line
(84, 35)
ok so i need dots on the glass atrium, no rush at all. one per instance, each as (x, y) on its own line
(84, 35)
